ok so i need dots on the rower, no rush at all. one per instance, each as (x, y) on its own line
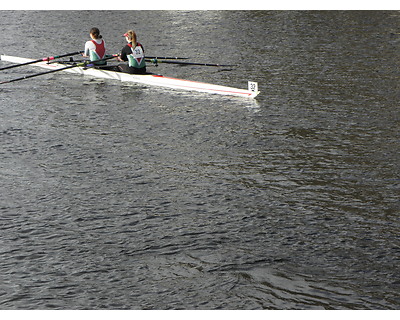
(95, 49)
(133, 52)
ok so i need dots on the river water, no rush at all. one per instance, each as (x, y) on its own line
(121, 196)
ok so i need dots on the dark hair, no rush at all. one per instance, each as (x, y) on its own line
(96, 33)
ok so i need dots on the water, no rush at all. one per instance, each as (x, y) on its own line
(118, 196)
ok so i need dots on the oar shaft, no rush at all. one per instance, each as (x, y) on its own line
(156, 57)
(156, 61)
(42, 59)
(38, 74)
(88, 64)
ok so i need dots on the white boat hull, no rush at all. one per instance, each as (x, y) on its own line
(148, 79)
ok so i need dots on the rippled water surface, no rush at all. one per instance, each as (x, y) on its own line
(118, 196)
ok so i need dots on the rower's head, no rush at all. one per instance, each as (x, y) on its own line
(95, 33)
(130, 36)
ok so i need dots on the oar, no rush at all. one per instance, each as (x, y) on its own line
(87, 64)
(156, 61)
(165, 58)
(40, 60)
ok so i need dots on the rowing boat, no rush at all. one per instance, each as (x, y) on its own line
(146, 79)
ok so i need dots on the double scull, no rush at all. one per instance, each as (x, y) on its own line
(146, 79)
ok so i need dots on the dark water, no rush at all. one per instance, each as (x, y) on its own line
(121, 196)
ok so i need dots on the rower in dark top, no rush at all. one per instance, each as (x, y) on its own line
(133, 52)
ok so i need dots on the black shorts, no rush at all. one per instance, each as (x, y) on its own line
(125, 68)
